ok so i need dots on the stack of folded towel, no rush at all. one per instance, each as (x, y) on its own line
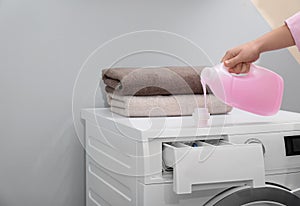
(159, 91)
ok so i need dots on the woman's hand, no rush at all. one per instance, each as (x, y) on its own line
(238, 59)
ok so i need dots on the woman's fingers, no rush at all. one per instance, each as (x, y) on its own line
(228, 55)
(233, 62)
(245, 68)
(240, 68)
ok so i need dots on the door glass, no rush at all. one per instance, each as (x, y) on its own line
(263, 203)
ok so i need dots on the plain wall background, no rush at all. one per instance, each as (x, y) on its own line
(43, 44)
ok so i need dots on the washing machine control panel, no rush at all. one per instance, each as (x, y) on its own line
(256, 141)
(292, 145)
(281, 149)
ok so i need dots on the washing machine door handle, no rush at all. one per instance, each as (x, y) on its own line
(246, 195)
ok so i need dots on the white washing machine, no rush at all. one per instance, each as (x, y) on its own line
(239, 159)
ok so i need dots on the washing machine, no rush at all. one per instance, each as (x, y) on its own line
(238, 159)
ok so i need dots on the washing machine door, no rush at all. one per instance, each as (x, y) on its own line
(248, 196)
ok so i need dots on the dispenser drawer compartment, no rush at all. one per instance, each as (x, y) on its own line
(216, 163)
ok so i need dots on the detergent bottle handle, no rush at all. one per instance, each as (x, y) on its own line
(252, 67)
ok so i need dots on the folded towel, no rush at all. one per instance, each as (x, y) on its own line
(153, 81)
(171, 105)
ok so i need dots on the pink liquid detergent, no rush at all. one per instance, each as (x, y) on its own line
(204, 92)
(259, 91)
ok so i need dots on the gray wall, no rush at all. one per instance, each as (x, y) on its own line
(44, 43)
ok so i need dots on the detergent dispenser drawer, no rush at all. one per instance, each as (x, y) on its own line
(213, 164)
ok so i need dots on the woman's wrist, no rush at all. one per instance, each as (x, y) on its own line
(258, 46)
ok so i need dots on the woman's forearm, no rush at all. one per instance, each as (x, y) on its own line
(238, 59)
(277, 39)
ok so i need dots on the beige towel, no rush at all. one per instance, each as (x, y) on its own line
(153, 81)
(171, 105)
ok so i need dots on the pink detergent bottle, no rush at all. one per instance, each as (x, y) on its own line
(259, 91)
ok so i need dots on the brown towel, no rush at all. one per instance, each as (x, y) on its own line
(171, 105)
(153, 81)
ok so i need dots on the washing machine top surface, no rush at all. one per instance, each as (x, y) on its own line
(235, 122)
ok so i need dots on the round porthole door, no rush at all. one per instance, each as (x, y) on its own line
(248, 196)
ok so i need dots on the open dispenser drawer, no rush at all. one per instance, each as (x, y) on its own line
(213, 164)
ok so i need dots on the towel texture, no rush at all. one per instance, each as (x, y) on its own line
(153, 81)
(171, 105)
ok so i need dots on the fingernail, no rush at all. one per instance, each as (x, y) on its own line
(227, 62)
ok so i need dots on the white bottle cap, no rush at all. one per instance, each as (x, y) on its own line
(201, 117)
